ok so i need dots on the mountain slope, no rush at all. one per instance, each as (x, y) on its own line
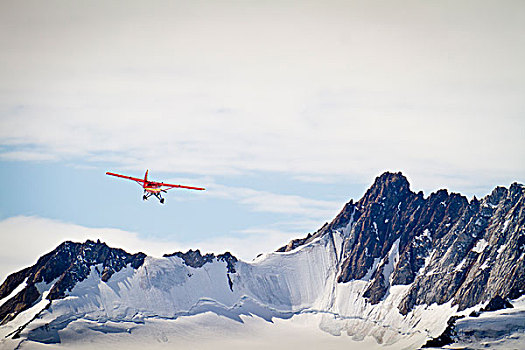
(393, 266)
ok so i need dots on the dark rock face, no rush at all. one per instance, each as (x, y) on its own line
(480, 257)
(193, 258)
(67, 265)
(390, 212)
(295, 243)
(497, 303)
(447, 337)
(443, 246)
(230, 261)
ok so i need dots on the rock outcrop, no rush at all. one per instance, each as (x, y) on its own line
(444, 246)
(65, 266)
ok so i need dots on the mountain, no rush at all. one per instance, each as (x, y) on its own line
(398, 267)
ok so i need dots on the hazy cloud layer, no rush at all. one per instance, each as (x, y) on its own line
(263, 201)
(314, 90)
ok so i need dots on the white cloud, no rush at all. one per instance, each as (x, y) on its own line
(26, 238)
(28, 156)
(312, 90)
(43, 235)
(264, 201)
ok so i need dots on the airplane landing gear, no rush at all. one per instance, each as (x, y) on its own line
(149, 194)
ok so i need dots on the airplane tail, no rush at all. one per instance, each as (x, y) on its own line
(146, 178)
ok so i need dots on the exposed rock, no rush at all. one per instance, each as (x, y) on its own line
(67, 265)
(340, 222)
(230, 261)
(295, 243)
(480, 257)
(193, 258)
(497, 303)
(449, 248)
(447, 337)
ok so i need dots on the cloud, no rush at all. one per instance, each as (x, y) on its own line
(346, 89)
(27, 156)
(264, 201)
(45, 234)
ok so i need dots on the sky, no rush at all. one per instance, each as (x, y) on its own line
(283, 110)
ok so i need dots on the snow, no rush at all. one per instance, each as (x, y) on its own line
(348, 228)
(426, 234)
(489, 205)
(17, 290)
(372, 269)
(202, 332)
(460, 265)
(22, 319)
(484, 266)
(505, 225)
(275, 298)
(428, 258)
(501, 329)
(480, 246)
(393, 258)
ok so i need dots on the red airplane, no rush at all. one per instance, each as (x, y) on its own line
(153, 188)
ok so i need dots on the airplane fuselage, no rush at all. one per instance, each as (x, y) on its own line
(152, 188)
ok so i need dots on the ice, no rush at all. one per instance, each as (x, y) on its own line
(393, 258)
(17, 290)
(505, 225)
(23, 318)
(480, 246)
(501, 329)
(460, 265)
(274, 289)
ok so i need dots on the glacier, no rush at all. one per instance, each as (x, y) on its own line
(281, 285)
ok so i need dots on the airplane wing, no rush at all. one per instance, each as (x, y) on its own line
(126, 177)
(170, 186)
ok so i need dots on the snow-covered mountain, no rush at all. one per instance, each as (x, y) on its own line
(393, 267)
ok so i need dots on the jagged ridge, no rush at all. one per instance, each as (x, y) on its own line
(442, 248)
(437, 238)
(68, 264)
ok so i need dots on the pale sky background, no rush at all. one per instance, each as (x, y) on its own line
(283, 110)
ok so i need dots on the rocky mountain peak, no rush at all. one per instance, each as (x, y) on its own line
(63, 267)
(193, 258)
(393, 236)
(442, 249)
(388, 186)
